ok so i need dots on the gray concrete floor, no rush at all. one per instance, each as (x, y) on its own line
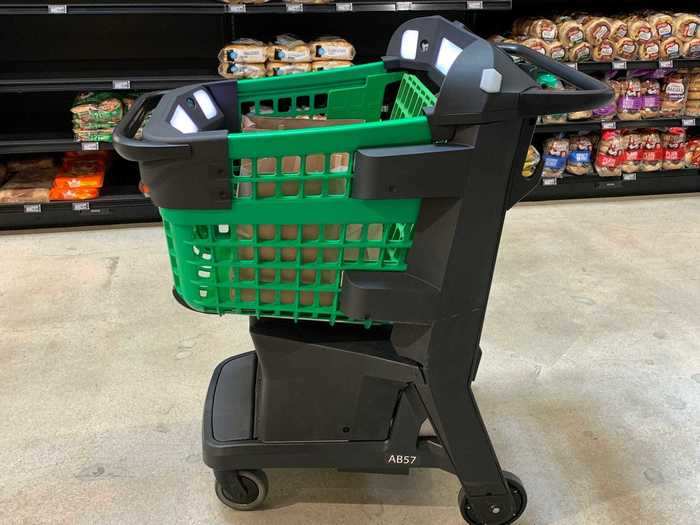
(590, 382)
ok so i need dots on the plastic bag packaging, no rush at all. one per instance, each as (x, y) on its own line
(581, 52)
(603, 51)
(609, 110)
(692, 153)
(549, 81)
(570, 32)
(632, 145)
(673, 141)
(685, 26)
(673, 95)
(692, 106)
(97, 107)
(691, 48)
(629, 105)
(625, 49)
(245, 51)
(595, 28)
(580, 158)
(274, 69)
(555, 152)
(608, 159)
(80, 174)
(670, 48)
(73, 194)
(661, 25)
(31, 178)
(288, 48)
(618, 29)
(23, 195)
(536, 44)
(651, 98)
(638, 28)
(239, 71)
(543, 28)
(652, 153)
(531, 162)
(331, 48)
(648, 49)
(555, 50)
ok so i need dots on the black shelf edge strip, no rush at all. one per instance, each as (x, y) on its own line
(587, 125)
(138, 83)
(622, 65)
(49, 145)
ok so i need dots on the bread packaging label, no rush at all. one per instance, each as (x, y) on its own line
(245, 50)
(286, 68)
(331, 48)
(652, 150)
(239, 71)
(609, 155)
(673, 143)
(579, 161)
(556, 151)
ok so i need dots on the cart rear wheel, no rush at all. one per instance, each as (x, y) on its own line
(519, 498)
(254, 484)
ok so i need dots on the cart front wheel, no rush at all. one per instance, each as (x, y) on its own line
(248, 495)
(519, 498)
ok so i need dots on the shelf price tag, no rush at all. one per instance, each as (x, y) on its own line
(665, 64)
(688, 122)
(619, 64)
(629, 176)
(32, 208)
(295, 8)
(474, 5)
(58, 9)
(608, 125)
(549, 181)
(90, 146)
(121, 84)
(403, 6)
(236, 8)
(81, 206)
(343, 7)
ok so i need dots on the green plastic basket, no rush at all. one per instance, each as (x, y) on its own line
(292, 229)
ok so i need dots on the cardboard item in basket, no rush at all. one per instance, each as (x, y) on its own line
(288, 48)
(245, 51)
(31, 179)
(23, 195)
(236, 71)
(331, 48)
(330, 64)
(277, 69)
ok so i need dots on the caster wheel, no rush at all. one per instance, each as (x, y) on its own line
(255, 486)
(519, 498)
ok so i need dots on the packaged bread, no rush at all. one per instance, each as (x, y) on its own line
(673, 95)
(639, 29)
(570, 32)
(531, 162)
(555, 50)
(30, 164)
(692, 153)
(237, 71)
(288, 48)
(685, 26)
(625, 49)
(31, 178)
(609, 110)
(632, 146)
(331, 48)
(329, 64)
(521, 26)
(652, 154)
(555, 151)
(275, 69)
(618, 29)
(543, 28)
(648, 50)
(670, 48)
(23, 195)
(661, 25)
(629, 105)
(691, 48)
(244, 51)
(608, 159)
(651, 98)
(580, 52)
(536, 44)
(580, 158)
(692, 105)
(595, 28)
(673, 142)
(603, 51)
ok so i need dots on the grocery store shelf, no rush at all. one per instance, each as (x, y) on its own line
(47, 143)
(647, 183)
(121, 204)
(586, 125)
(215, 7)
(591, 67)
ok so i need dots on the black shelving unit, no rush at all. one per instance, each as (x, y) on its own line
(47, 143)
(586, 125)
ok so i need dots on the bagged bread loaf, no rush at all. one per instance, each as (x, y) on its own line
(329, 64)
(651, 98)
(661, 25)
(648, 49)
(331, 48)
(543, 28)
(23, 195)
(629, 105)
(625, 49)
(603, 51)
(609, 110)
(595, 28)
(673, 142)
(692, 153)
(238, 71)
(555, 152)
(531, 162)
(608, 159)
(555, 50)
(580, 158)
(639, 29)
(536, 44)
(673, 95)
(670, 48)
(692, 106)
(570, 32)
(632, 146)
(275, 69)
(691, 48)
(245, 51)
(288, 48)
(652, 154)
(685, 26)
(618, 29)
(580, 52)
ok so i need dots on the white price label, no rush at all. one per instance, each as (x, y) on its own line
(58, 9)
(121, 84)
(619, 64)
(236, 8)
(549, 181)
(608, 125)
(32, 208)
(343, 7)
(90, 146)
(572, 65)
(475, 5)
(81, 206)
(403, 6)
(665, 64)
(295, 8)
(687, 122)
(629, 176)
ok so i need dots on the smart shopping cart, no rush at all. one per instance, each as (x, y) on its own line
(366, 278)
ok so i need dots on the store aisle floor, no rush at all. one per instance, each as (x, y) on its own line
(590, 382)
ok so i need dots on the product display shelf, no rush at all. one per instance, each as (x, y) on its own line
(586, 125)
(47, 143)
(634, 65)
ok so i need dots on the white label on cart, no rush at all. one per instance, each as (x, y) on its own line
(629, 176)
(236, 8)
(58, 9)
(619, 64)
(403, 6)
(475, 5)
(608, 125)
(89, 146)
(343, 7)
(81, 206)
(572, 65)
(121, 84)
(398, 459)
(32, 208)
(295, 8)
(686, 122)
(665, 64)
(549, 181)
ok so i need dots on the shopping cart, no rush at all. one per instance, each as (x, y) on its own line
(364, 262)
